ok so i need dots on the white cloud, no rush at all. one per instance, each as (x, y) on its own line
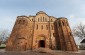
(71, 16)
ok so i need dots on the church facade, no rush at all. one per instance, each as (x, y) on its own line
(41, 30)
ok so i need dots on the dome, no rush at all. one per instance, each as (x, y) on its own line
(41, 12)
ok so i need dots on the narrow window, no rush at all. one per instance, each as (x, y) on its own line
(18, 43)
(32, 20)
(53, 34)
(36, 26)
(51, 20)
(23, 21)
(38, 19)
(67, 23)
(46, 27)
(52, 27)
(70, 33)
(63, 23)
(59, 23)
(19, 22)
(42, 27)
(43, 18)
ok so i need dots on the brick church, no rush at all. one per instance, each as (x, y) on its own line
(41, 31)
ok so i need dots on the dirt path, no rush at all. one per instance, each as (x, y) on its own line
(41, 52)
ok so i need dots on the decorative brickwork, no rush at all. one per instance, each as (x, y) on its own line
(40, 31)
(63, 35)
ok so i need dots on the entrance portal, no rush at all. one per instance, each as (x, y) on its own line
(42, 43)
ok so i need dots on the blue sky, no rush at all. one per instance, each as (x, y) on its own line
(74, 10)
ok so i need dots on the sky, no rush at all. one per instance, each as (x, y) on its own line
(74, 10)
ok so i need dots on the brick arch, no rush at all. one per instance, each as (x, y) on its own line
(41, 36)
(41, 40)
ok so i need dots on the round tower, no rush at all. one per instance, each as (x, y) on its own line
(21, 35)
(63, 35)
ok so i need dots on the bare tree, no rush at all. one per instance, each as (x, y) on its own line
(4, 34)
(79, 31)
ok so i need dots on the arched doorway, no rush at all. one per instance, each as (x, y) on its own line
(41, 43)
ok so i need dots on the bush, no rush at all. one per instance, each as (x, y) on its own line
(82, 47)
(2, 46)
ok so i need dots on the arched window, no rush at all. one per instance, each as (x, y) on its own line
(46, 27)
(41, 26)
(52, 27)
(63, 23)
(23, 21)
(51, 20)
(59, 24)
(38, 19)
(32, 20)
(37, 26)
(67, 23)
(70, 33)
(19, 22)
(43, 18)
(53, 34)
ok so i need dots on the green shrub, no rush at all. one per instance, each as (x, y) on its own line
(2, 46)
